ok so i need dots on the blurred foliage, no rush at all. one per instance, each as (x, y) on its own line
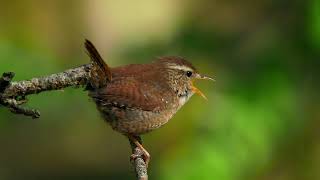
(261, 120)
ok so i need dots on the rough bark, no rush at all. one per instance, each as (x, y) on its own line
(13, 96)
(138, 162)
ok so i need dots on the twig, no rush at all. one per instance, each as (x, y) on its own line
(138, 162)
(13, 95)
(72, 77)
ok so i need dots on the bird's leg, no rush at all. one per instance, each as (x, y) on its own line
(136, 140)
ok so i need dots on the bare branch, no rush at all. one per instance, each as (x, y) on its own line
(13, 95)
(138, 162)
(72, 77)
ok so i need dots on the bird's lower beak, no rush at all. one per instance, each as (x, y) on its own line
(196, 90)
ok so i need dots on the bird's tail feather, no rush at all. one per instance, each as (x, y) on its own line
(100, 73)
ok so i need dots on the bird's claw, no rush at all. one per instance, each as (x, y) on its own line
(143, 154)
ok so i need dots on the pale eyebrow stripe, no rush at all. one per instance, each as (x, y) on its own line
(179, 67)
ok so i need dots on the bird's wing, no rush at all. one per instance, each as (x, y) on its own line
(131, 93)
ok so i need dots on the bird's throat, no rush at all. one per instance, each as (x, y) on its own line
(183, 98)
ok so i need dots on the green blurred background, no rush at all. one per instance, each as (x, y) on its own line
(262, 119)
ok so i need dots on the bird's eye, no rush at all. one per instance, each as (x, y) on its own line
(189, 73)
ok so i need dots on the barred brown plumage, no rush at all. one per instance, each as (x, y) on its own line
(138, 98)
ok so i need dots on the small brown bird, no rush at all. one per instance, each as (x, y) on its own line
(138, 98)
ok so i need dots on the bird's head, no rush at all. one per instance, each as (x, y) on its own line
(181, 75)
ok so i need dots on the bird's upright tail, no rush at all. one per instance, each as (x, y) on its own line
(100, 73)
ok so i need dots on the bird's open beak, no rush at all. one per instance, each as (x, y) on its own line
(196, 90)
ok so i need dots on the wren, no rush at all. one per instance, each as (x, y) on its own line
(138, 98)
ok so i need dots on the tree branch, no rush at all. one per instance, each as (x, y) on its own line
(138, 161)
(13, 95)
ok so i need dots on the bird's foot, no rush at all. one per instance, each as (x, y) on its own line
(142, 152)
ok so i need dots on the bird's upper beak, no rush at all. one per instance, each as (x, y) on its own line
(196, 90)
